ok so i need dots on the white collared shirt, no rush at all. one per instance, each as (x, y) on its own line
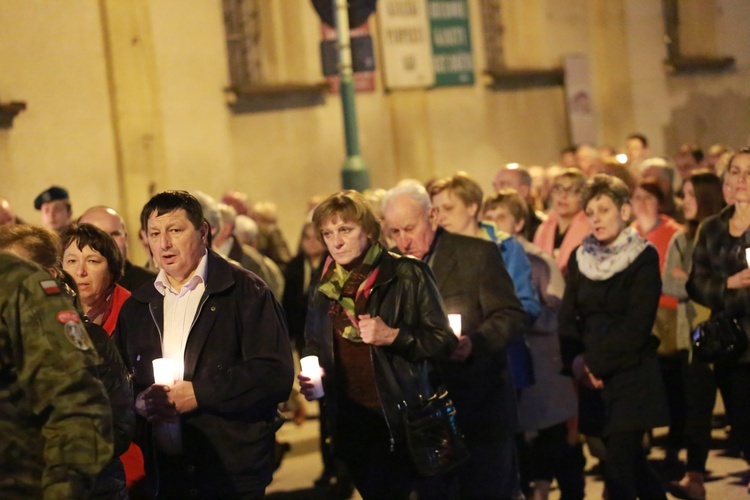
(180, 309)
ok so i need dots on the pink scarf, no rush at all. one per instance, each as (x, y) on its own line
(577, 230)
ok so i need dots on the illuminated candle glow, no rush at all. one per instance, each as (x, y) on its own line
(311, 369)
(455, 321)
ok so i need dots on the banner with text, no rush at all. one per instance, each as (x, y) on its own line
(451, 42)
(405, 41)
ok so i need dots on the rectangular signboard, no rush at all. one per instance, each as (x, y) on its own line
(452, 58)
(405, 42)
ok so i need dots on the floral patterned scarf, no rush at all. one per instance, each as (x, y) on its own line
(350, 289)
(599, 263)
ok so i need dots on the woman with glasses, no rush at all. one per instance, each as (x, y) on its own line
(566, 225)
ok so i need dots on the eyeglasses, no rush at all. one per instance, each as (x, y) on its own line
(560, 189)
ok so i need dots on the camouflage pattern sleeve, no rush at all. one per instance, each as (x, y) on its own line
(60, 419)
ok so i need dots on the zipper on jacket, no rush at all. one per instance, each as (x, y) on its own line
(382, 406)
(153, 443)
(158, 328)
(203, 301)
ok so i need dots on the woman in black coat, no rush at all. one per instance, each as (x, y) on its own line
(720, 280)
(606, 318)
(373, 313)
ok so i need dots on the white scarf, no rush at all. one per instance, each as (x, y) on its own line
(599, 263)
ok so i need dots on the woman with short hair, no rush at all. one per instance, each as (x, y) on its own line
(92, 257)
(611, 296)
(566, 225)
(372, 310)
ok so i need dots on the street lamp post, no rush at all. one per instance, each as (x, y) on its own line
(354, 173)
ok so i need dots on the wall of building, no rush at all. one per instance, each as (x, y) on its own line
(127, 98)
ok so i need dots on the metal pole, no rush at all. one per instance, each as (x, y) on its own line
(354, 173)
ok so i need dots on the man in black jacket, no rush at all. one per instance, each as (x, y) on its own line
(473, 282)
(226, 335)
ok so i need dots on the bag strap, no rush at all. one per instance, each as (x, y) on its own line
(389, 376)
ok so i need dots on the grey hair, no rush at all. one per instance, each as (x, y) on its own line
(227, 212)
(245, 229)
(210, 209)
(413, 190)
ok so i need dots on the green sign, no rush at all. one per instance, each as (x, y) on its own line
(451, 42)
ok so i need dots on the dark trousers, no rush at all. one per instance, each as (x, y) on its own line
(671, 371)
(490, 473)
(549, 456)
(627, 474)
(700, 398)
(363, 442)
(737, 377)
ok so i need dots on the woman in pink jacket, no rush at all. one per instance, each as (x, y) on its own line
(566, 225)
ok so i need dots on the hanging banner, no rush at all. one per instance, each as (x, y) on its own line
(451, 42)
(579, 99)
(363, 58)
(405, 41)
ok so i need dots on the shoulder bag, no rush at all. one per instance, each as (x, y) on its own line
(721, 338)
(436, 444)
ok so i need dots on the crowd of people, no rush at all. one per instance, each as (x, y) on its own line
(470, 343)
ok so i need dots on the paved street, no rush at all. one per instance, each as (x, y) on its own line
(302, 465)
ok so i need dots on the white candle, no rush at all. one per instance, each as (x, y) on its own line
(168, 435)
(747, 256)
(311, 369)
(165, 371)
(455, 321)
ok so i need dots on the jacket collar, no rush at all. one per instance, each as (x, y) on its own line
(218, 278)
(443, 258)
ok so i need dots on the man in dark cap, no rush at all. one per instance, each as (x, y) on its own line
(56, 209)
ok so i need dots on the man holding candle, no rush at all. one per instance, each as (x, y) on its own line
(209, 434)
(473, 282)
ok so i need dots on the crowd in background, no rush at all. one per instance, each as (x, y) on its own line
(592, 275)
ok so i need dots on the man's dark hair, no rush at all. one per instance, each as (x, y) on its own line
(569, 149)
(640, 137)
(86, 235)
(169, 201)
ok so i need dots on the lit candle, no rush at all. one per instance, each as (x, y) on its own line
(165, 371)
(311, 369)
(168, 435)
(455, 321)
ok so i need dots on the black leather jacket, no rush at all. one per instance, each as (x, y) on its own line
(406, 297)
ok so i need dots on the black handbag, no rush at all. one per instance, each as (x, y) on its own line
(436, 444)
(721, 338)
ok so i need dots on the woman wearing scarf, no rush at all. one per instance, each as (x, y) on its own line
(608, 310)
(370, 299)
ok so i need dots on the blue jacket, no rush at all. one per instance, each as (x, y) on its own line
(519, 269)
